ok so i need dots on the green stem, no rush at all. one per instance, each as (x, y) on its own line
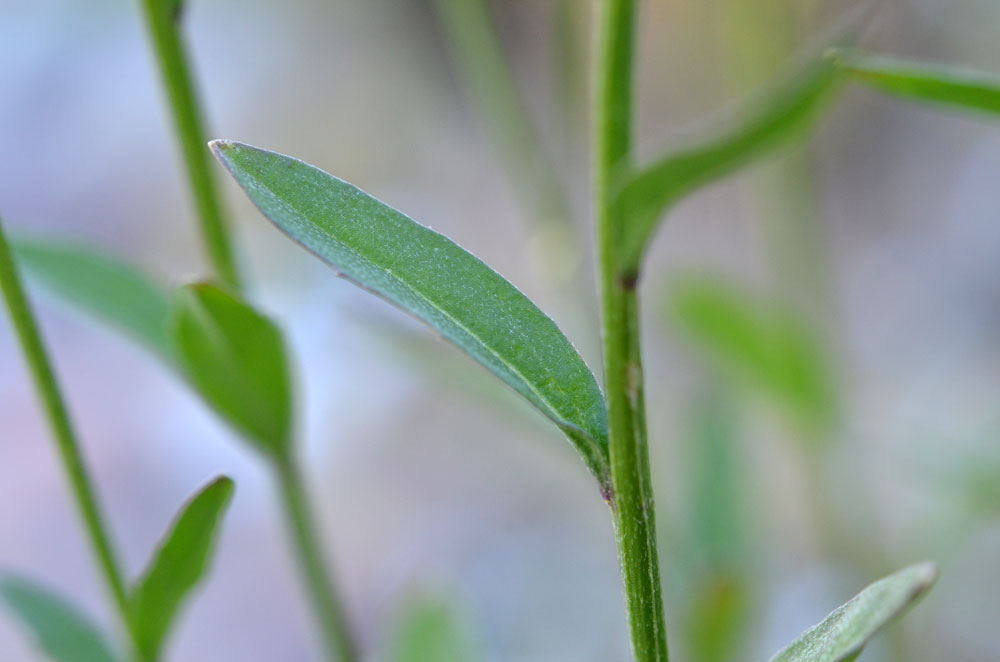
(162, 19)
(327, 607)
(62, 429)
(632, 503)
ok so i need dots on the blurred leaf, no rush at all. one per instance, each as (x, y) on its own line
(235, 357)
(717, 618)
(178, 566)
(103, 286)
(430, 631)
(973, 90)
(61, 631)
(428, 275)
(716, 518)
(645, 194)
(842, 634)
(761, 346)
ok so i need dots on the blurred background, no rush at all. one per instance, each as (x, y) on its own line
(822, 332)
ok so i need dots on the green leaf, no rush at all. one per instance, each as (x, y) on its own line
(61, 631)
(645, 194)
(235, 358)
(430, 631)
(759, 346)
(935, 83)
(842, 634)
(178, 566)
(428, 275)
(101, 285)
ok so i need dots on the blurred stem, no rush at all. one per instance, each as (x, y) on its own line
(163, 22)
(67, 445)
(484, 73)
(632, 501)
(327, 607)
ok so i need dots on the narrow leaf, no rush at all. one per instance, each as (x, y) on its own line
(60, 630)
(178, 566)
(101, 285)
(842, 634)
(428, 275)
(935, 83)
(645, 194)
(235, 358)
(759, 346)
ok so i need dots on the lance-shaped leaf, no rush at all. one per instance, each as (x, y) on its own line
(428, 275)
(235, 357)
(60, 630)
(935, 83)
(178, 566)
(842, 634)
(101, 285)
(644, 194)
(759, 346)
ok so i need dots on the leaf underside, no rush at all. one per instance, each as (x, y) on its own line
(935, 83)
(178, 566)
(841, 636)
(432, 278)
(60, 630)
(235, 358)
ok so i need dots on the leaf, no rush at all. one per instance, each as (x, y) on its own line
(430, 631)
(935, 83)
(178, 566)
(842, 634)
(235, 358)
(428, 275)
(101, 285)
(61, 631)
(644, 194)
(760, 346)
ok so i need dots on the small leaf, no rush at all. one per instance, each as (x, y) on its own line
(759, 346)
(101, 285)
(430, 631)
(963, 88)
(178, 566)
(235, 358)
(842, 634)
(428, 275)
(61, 631)
(645, 194)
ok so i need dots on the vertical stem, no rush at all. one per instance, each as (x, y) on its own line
(62, 429)
(632, 503)
(327, 607)
(162, 20)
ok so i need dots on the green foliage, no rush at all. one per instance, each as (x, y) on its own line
(429, 276)
(645, 193)
(842, 635)
(178, 566)
(431, 631)
(235, 358)
(759, 346)
(101, 285)
(61, 632)
(716, 618)
(934, 83)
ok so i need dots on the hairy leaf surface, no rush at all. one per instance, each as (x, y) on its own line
(431, 277)
(841, 635)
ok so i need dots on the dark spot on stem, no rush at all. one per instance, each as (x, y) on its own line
(629, 280)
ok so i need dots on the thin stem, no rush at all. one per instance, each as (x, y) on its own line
(162, 20)
(62, 429)
(632, 503)
(328, 609)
